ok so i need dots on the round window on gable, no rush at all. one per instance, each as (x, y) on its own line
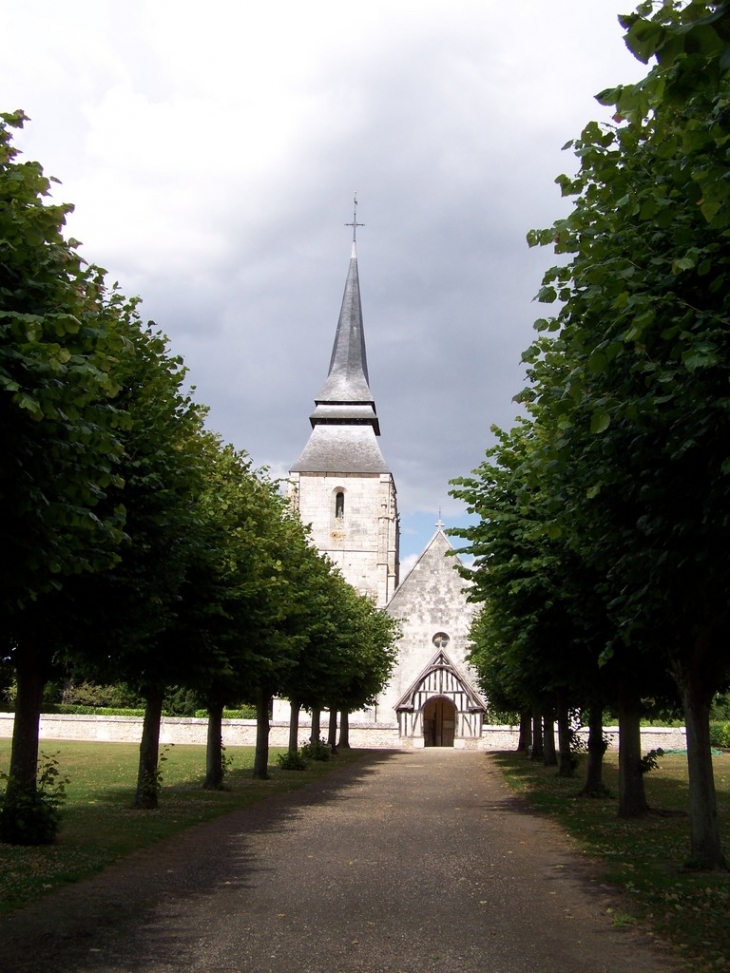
(440, 640)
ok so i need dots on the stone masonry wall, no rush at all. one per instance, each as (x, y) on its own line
(242, 733)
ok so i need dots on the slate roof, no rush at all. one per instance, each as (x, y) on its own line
(341, 449)
(347, 380)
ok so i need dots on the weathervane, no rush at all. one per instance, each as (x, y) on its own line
(354, 223)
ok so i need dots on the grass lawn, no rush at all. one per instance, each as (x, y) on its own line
(645, 857)
(99, 825)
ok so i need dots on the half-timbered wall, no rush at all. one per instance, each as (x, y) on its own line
(441, 680)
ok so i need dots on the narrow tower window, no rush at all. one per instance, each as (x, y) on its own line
(339, 504)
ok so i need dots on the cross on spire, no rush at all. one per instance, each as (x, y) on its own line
(354, 223)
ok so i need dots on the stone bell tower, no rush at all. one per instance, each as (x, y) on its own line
(341, 484)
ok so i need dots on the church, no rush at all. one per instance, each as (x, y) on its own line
(341, 485)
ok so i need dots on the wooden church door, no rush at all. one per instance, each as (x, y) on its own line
(439, 722)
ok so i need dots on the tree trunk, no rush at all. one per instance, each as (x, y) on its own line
(344, 730)
(21, 787)
(214, 750)
(148, 776)
(631, 794)
(566, 766)
(525, 739)
(706, 847)
(294, 708)
(261, 759)
(314, 735)
(332, 731)
(537, 751)
(549, 758)
(594, 786)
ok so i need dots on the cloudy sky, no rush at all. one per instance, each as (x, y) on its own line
(212, 152)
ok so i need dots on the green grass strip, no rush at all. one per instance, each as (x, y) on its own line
(645, 858)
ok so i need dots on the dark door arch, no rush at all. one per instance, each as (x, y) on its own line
(439, 722)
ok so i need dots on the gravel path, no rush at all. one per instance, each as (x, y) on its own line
(406, 862)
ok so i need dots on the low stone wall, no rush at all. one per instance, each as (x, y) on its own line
(242, 733)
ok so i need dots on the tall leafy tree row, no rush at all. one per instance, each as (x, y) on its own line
(138, 547)
(625, 470)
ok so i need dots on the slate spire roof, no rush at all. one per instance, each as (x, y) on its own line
(347, 381)
(344, 422)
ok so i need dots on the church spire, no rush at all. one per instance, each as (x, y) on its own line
(344, 421)
(347, 381)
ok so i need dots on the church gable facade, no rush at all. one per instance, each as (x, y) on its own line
(432, 694)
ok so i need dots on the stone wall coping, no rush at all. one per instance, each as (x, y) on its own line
(202, 721)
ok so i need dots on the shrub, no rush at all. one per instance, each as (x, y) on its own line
(242, 713)
(64, 709)
(721, 708)
(316, 751)
(720, 734)
(90, 694)
(292, 761)
(650, 761)
(33, 819)
(498, 717)
(180, 702)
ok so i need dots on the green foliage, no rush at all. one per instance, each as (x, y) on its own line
(59, 428)
(94, 696)
(67, 709)
(295, 760)
(720, 734)
(650, 760)
(33, 818)
(498, 717)
(179, 701)
(536, 591)
(150, 783)
(316, 750)
(242, 713)
(720, 709)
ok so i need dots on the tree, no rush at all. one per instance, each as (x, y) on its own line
(368, 637)
(135, 609)
(537, 639)
(631, 376)
(59, 435)
(358, 656)
(253, 582)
